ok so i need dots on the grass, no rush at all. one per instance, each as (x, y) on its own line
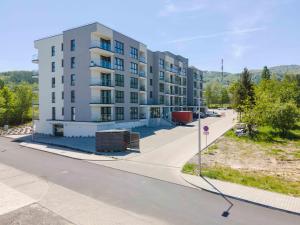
(211, 149)
(252, 179)
(267, 135)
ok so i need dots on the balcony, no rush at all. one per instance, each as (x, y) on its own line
(142, 74)
(142, 116)
(142, 88)
(103, 66)
(35, 75)
(102, 101)
(142, 59)
(101, 48)
(35, 58)
(104, 84)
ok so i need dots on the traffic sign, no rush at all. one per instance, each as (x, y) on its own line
(206, 128)
(206, 133)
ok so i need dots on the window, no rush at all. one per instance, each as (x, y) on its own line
(73, 45)
(53, 113)
(106, 97)
(161, 63)
(161, 75)
(73, 113)
(151, 82)
(119, 96)
(53, 51)
(134, 82)
(105, 44)
(53, 82)
(72, 62)
(161, 99)
(53, 97)
(62, 63)
(134, 97)
(72, 79)
(119, 80)
(119, 47)
(62, 111)
(161, 87)
(62, 47)
(133, 53)
(62, 79)
(106, 79)
(53, 66)
(134, 68)
(184, 81)
(134, 113)
(105, 114)
(119, 64)
(151, 95)
(151, 69)
(119, 113)
(62, 95)
(73, 96)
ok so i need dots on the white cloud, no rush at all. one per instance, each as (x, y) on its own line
(174, 7)
(218, 34)
(238, 50)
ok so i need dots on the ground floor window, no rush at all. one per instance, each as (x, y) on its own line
(105, 114)
(119, 113)
(155, 112)
(134, 113)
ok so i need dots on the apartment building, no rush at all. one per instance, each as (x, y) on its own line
(195, 87)
(93, 78)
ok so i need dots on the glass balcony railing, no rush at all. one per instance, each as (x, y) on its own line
(103, 64)
(142, 59)
(142, 74)
(102, 45)
(102, 101)
(35, 58)
(142, 88)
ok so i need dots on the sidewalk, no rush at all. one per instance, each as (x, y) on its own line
(66, 152)
(254, 195)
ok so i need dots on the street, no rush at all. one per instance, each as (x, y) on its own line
(167, 202)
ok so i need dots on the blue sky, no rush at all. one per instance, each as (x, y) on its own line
(250, 33)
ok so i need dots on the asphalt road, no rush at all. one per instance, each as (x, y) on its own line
(172, 203)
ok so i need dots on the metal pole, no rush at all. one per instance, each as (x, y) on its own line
(199, 138)
(32, 119)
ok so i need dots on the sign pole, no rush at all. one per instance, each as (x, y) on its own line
(199, 137)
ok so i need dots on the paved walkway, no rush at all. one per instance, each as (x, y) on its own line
(254, 195)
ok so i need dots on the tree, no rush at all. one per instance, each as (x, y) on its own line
(23, 94)
(265, 75)
(224, 96)
(7, 105)
(208, 94)
(247, 87)
(1, 84)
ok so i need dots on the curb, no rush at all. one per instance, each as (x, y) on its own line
(54, 153)
(240, 199)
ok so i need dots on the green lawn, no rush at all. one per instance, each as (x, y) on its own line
(252, 179)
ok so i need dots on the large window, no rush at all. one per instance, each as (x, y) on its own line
(134, 82)
(119, 96)
(72, 79)
(134, 97)
(151, 69)
(72, 62)
(161, 63)
(161, 99)
(134, 68)
(119, 47)
(161, 75)
(119, 80)
(73, 113)
(105, 114)
(73, 45)
(53, 51)
(133, 53)
(53, 67)
(73, 96)
(106, 97)
(119, 113)
(119, 64)
(161, 87)
(134, 113)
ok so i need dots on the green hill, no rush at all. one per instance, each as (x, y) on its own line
(278, 71)
(16, 77)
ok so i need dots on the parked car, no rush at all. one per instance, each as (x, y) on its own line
(196, 115)
(212, 114)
